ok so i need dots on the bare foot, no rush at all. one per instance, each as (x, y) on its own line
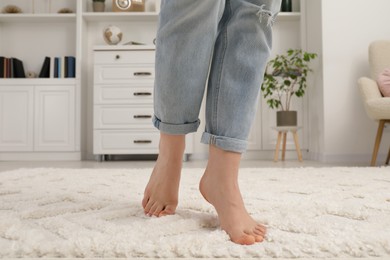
(219, 186)
(161, 193)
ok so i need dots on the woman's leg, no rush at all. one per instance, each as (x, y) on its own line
(185, 41)
(240, 56)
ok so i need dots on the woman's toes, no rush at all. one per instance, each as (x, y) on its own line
(261, 228)
(244, 239)
(148, 207)
(258, 237)
(153, 209)
(258, 232)
(167, 210)
(157, 211)
(145, 201)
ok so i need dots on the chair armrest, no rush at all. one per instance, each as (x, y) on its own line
(368, 89)
(378, 108)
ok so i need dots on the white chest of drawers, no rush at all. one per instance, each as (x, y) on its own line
(123, 101)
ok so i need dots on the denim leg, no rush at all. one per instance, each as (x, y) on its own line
(185, 40)
(241, 53)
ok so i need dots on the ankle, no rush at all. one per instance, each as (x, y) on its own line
(222, 158)
(172, 147)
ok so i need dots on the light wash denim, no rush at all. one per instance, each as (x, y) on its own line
(224, 42)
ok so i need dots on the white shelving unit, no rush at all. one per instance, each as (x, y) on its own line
(39, 117)
(29, 129)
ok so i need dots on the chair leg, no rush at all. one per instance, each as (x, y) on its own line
(388, 157)
(377, 141)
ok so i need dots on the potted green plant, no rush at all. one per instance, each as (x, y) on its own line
(98, 5)
(285, 77)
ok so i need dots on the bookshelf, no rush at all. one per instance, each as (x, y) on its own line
(39, 116)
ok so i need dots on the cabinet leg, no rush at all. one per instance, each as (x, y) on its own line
(99, 158)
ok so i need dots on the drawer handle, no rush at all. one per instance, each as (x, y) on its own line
(142, 141)
(142, 74)
(142, 116)
(142, 94)
(117, 57)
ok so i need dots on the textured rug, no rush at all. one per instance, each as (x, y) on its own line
(310, 212)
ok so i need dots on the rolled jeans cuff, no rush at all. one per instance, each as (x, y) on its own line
(176, 129)
(225, 143)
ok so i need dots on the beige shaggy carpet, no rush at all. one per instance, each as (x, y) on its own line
(310, 212)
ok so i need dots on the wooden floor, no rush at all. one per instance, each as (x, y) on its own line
(6, 166)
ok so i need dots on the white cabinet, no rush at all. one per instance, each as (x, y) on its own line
(54, 118)
(16, 118)
(123, 101)
(37, 118)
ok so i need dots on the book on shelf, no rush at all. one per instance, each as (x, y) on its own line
(11, 68)
(58, 67)
(45, 70)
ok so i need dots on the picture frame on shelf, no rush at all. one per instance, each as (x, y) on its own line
(128, 5)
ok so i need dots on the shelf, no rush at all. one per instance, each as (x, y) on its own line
(37, 18)
(288, 16)
(120, 17)
(123, 47)
(36, 81)
(153, 17)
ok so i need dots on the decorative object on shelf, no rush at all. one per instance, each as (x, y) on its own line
(286, 6)
(287, 78)
(31, 74)
(65, 11)
(112, 35)
(98, 5)
(128, 5)
(11, 9)
(134, 43)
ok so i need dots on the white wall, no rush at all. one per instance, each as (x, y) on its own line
(313, 43)
(348, 27)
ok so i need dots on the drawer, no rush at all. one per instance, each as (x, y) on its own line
(123, 117)
(112, 94)
(125, 142)
(108, 74)
(124, 57)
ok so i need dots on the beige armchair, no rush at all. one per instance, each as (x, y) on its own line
(377, 106)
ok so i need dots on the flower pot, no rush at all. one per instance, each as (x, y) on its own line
(98, 6)
(286, 118)
(286, 6)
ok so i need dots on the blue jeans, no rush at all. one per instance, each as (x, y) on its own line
(224, 44)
